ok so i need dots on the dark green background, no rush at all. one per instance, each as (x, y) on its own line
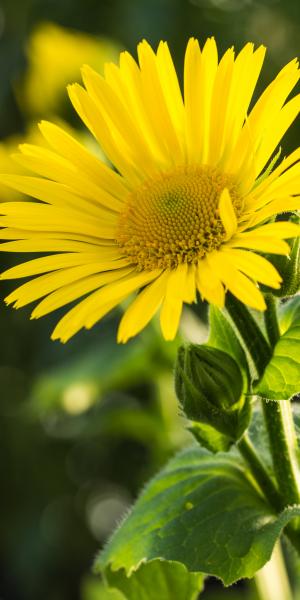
(58, 470)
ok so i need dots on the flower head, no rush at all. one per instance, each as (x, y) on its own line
(189, 207)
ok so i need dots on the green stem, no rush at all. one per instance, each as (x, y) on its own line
(272, 581)
(278, 415)
(271, 321)
(280, 425)
(267, 486)
(283, 444)
(253, 337)
(259, 472)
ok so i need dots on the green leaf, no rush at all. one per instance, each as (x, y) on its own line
(93, 589)
(289, 313)
(105, 593)
(157, 579)
(281, 378)
(204, 511)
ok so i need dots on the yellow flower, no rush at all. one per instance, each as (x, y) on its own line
(33, 136)
(55, 55)
(187, 207)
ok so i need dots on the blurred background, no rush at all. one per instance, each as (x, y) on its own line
(84, 426)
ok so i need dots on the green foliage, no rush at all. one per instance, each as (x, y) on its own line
(204, 511)
(157, 579)
(281, 378)
(103, 367)
(94, 590)
(110, 594)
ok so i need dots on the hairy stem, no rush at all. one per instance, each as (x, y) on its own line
(278, 416)
(271, 321)
(280, 425)
(254, 339)
(259, 472)
(283, 445)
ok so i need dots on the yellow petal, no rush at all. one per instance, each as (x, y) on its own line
(276, 131)
(276, 207)
(44, 244)
(121, 123)
(172, 305)
(255, 266)
(272, 245)
(237, 283)
(155, 101)
(227, 214)
(113, 145)
(101, 175)
(72, 322)
(199, 75)
(209, 284)
(282, 229)
(189, 292)
(42, 217)
(52, 166)
(47, 283)
(61, 261)
(143, 308)
(76, 289)
(262, 117)
(286, 166)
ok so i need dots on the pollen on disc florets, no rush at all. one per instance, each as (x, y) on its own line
(175, 218)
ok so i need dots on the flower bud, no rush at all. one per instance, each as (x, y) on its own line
(209, 385)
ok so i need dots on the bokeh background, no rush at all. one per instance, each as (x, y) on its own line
(84, 426)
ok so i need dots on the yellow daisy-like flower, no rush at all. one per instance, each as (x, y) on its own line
(187, 207)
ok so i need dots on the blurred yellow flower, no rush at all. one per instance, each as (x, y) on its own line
(9, 165)
(188, 207)
(55, 56)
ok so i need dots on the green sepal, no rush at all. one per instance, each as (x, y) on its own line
(204, 511)
(269, 168)
(208, 437)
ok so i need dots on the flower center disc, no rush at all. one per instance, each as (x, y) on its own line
(175, 219)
